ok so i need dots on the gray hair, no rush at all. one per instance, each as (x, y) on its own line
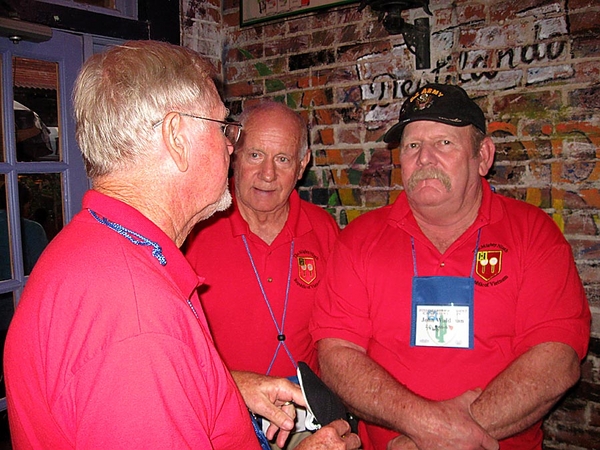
(121, 93)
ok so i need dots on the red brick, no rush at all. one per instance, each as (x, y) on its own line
(470, 13)
(590, 274)
(349, 33)
(376, 31)
(584, 249)
(467, 38)
(444, 18)
(282, 46)
(326, 136)
(230, 4)
(348, 136)
(354, 52)
(243, 89)
(324, 37)
(587, 71)
(581, 224)
(527, 102)
(274, 29)
(231, 19)
(509, 9)
(584, 23)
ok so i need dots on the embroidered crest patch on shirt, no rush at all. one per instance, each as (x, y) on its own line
(307, 269)
(489, 264)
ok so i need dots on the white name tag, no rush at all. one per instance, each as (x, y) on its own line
(442, 326)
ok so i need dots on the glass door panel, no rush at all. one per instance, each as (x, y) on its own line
(41, 208)
(36, 108)
(5, 242)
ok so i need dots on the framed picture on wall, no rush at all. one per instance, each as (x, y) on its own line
(256, 11)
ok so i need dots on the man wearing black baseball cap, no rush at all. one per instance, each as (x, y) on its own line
(454, 318)
(443, 103)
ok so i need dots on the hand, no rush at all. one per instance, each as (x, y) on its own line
(335, 436)
(452, 427)
(401, 442)
(272, 398)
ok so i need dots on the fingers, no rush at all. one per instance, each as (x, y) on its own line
(344, 431)
(470, 396)
(341, 427)
(290, 410)
(335, 436)
(401, 442)
(293, 393)
(489, 443)
(279, 417)
(282, 438)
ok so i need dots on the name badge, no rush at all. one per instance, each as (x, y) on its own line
(442, 312)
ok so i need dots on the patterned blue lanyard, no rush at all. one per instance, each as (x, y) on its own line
(280, 335)
(133, 237)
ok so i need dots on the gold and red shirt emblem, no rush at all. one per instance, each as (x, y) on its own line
(489, 264)
(307, 269)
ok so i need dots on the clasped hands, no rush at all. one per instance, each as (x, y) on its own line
(450, 426)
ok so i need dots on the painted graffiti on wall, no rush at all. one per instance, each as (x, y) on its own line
(498, 66)
(572, 170)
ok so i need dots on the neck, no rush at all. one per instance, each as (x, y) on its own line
(146, 201)
(444, 229)
(266, 225)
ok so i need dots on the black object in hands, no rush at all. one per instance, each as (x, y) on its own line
(321, 401)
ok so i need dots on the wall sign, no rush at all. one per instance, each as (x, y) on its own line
(256, 11)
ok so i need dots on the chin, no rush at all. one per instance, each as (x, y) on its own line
(224, 202)
(221, 204)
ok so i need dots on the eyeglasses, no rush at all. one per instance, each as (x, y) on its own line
(231, 129)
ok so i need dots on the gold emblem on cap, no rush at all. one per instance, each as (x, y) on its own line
(425, 98)
(423, 101)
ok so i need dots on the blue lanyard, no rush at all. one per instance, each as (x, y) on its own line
(133, 237)
(414, 254)
(138, 239)
(280, 334)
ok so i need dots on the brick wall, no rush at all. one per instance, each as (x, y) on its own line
(534, 67)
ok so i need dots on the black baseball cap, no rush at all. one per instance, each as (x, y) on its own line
(443, 103)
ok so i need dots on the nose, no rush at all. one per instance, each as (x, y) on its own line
(426, 154)
(267, 170)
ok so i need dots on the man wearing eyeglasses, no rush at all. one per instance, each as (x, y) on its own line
(264, 259)
(109, 346)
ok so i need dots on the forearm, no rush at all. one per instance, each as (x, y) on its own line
(375, 396)
(367, 389)
(526, 391)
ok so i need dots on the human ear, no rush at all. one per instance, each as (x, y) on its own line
(303, 163)
(487, 151)
(175, 140)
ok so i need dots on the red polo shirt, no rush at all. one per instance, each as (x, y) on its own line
(239, 317)
(532, 294)
(104, 350)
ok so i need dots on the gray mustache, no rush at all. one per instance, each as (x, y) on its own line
(429, 174)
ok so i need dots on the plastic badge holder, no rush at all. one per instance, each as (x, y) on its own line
(322, 404)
